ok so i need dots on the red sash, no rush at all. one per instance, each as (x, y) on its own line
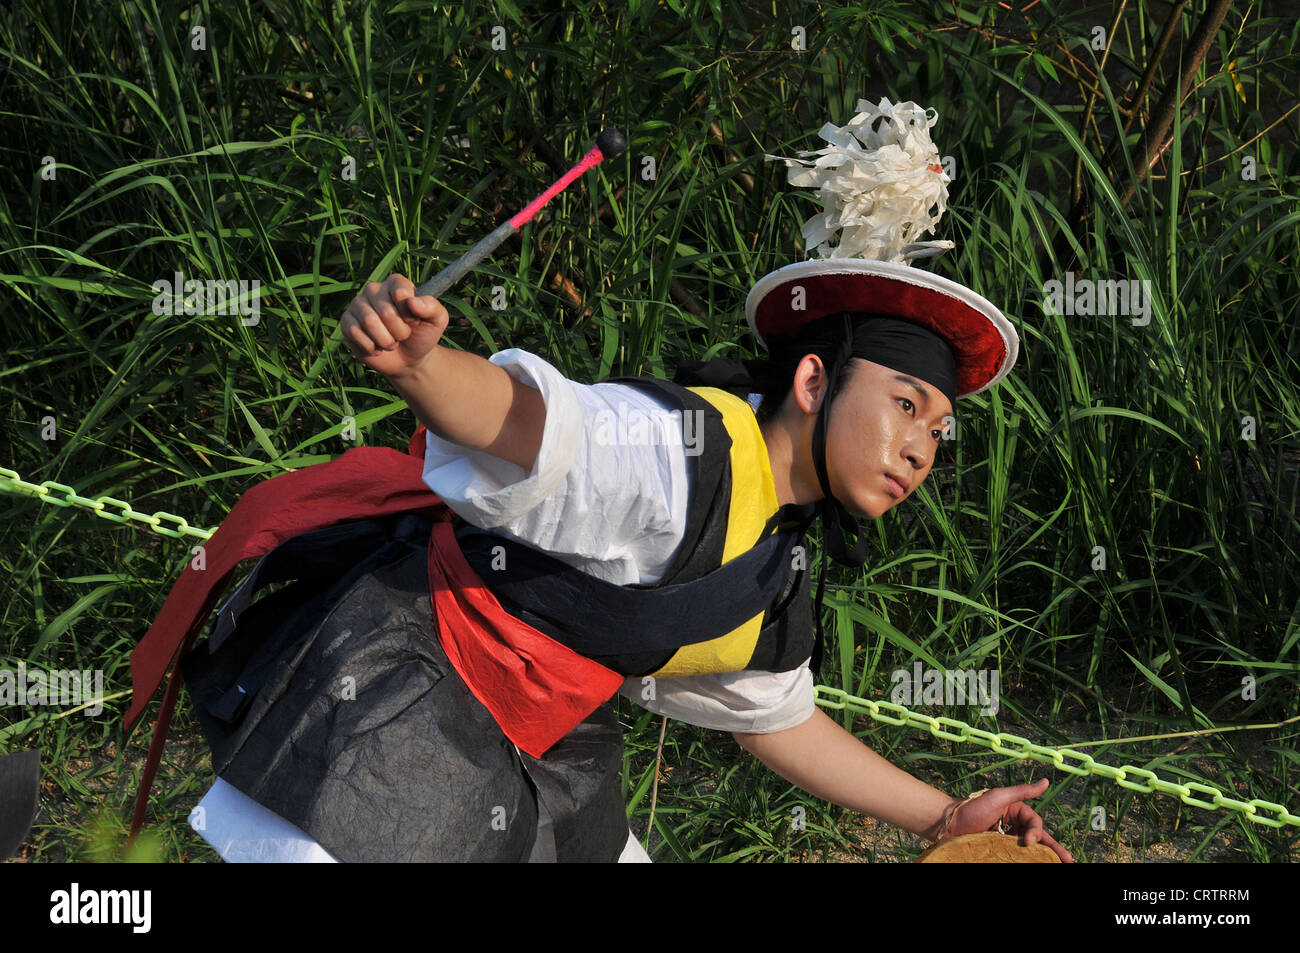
(537, 689)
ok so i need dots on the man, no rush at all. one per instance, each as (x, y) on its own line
(578, 564)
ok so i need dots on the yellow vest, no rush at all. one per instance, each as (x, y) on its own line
(753, 504)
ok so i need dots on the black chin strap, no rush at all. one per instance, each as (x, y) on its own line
(836, 520)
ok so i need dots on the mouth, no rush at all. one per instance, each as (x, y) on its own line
(895, 486)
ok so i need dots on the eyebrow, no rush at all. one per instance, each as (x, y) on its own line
(925, 398)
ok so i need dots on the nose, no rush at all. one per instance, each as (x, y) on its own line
(918, 450)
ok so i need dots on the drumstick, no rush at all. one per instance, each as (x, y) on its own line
(609, 145)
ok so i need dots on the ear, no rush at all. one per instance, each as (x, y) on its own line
(809, 386)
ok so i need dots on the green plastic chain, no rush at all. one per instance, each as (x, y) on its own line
(49, 492)
(1022, 748)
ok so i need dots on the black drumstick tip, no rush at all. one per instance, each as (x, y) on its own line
(611, 143)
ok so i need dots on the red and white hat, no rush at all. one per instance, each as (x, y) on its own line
(882, 183)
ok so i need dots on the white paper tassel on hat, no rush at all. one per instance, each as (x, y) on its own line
(882, 185)
(878, 181)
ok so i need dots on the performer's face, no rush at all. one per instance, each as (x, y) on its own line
(882, 423)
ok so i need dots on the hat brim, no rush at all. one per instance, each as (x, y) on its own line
(983, 342)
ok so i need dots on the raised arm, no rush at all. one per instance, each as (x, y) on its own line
(460, 397)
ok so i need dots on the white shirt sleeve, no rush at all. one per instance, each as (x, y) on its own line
(751, 702)
(614, 509)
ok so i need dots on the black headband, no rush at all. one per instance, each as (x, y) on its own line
(891, 342)
(908, 348)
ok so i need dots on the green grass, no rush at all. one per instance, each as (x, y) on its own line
(228, 163)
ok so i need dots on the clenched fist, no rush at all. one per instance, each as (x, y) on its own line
(390, 329)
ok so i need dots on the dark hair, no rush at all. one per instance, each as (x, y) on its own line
(774, 376)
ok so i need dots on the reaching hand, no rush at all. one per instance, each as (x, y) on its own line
(1007, 805)
(391, 330)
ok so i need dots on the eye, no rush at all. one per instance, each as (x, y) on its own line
(908, 406)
